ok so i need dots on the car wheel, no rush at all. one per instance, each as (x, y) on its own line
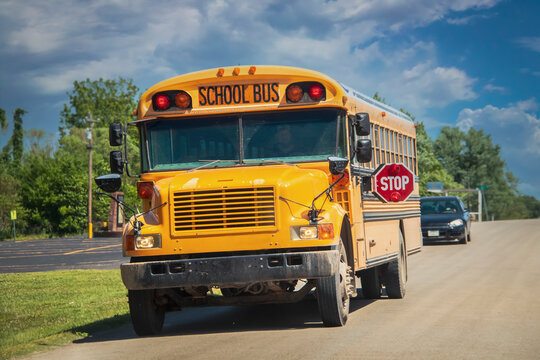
(332, 294)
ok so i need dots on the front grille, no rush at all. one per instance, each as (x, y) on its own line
(223, 209)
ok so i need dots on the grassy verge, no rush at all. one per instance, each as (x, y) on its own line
(50, 308)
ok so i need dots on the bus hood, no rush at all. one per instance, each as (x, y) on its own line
(288, 189)
(302, 185)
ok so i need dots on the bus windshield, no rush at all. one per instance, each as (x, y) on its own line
(288, 136)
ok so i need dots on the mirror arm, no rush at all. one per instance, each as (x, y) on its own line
(314, 213)
(126, 162)
(137, 224)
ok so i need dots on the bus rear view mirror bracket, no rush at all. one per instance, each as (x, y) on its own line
(363, 150)
(361, 124)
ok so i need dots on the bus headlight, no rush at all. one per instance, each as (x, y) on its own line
(150, 241)
(308, 232)
(312, 232)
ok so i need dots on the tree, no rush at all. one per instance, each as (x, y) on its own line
(107, 100)
(10, 164)
(13, 151)
(430, 168)
(473, 160)
(3, 121)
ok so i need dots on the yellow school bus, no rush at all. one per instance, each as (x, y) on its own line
(256, 188)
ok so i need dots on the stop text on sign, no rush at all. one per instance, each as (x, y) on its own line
(394, 182)
(240, 94)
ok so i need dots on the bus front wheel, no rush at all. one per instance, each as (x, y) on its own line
(332, 293)
(147, 317)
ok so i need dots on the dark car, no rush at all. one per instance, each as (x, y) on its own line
(445, 218)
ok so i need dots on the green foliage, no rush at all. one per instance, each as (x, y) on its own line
(17, 137)
(3, 120)
(473, 160)
(106, 100)
(50, 189)
(430, 168)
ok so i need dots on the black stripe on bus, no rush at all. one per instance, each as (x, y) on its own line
(396, 215)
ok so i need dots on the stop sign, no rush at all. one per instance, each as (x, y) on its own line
(393, 182)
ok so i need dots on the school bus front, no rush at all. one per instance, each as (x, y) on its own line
(249, 197)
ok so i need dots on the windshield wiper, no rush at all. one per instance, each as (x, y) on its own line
(211, 162)
(275, 161)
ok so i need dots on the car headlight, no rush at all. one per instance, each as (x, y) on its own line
(151, 241)
(455, 223)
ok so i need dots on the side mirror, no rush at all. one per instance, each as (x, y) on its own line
(363, 150)
(109, 183)
(115, 134)
(337, 165)
(361, 124)
(116, 162)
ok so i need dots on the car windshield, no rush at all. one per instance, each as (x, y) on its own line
(439, 206)
(284, 136)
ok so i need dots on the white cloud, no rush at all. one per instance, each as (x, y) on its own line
(350, 40)
(492, 88)
(531, 43)
(468, 19)
(438, 86)
(518, 121)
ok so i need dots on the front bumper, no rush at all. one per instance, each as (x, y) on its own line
(229, 270)
(445, 233)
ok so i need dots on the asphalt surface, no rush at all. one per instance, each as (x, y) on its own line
(474, 301)
(60, 254)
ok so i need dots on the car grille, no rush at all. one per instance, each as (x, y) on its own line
(223, 209)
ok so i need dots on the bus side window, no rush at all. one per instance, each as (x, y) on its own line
(414, 157)
(387, 145)
(371, 136)
(400, 145)
(377, 146)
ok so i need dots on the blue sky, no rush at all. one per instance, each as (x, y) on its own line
(450, 62)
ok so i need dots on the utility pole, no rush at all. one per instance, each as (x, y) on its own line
(89, 119)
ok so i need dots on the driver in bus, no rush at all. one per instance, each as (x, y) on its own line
(283, 142)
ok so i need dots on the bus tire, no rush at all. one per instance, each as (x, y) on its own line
(371, 283)
(146, 316)
(396, 273)
(332, 294)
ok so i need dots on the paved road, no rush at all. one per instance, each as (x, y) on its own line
(474, 301)
(60, 254)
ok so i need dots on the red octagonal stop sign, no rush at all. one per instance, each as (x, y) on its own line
(393, 182)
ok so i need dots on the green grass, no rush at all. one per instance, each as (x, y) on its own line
(51, 308)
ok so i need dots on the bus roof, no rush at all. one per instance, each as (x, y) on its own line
(266, 71)
(369, 100)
